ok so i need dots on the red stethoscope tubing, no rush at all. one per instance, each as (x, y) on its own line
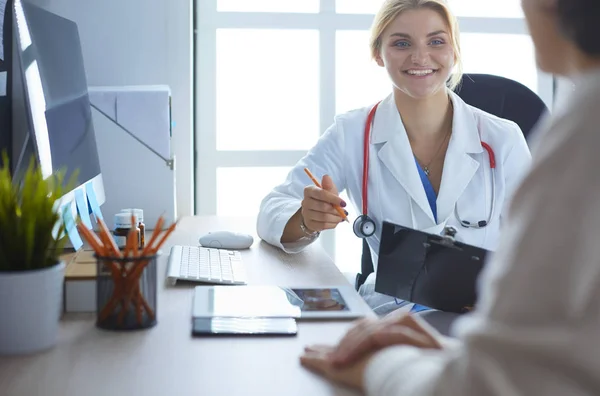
(365, 180)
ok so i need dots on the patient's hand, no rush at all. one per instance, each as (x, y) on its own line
(371, 335)
(316, 359)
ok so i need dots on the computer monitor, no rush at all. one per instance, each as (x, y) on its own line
(52, 118)
(5, 83)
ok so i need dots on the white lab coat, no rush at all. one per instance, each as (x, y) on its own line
(395, 191)
(536, 327)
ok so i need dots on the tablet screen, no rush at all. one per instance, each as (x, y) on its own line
(322, 299)
(275, 301)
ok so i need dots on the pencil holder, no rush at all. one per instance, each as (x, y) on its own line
(126, 291)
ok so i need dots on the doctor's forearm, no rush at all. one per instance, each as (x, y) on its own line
(292, 231)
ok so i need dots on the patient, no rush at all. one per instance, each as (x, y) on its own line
(535, 328)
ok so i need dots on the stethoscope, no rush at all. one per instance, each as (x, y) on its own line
(364, 226)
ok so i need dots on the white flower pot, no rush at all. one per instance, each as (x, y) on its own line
(30, 309)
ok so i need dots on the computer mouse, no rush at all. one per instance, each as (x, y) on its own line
(226, 240)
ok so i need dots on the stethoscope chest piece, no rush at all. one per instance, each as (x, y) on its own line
(364, 226)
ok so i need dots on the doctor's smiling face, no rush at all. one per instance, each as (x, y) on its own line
(417, 51)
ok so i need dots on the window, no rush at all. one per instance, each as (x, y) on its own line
(364, 82)
(506, 55)
(357, 6)
(240, 190)
(310, 6)
(272, 74)
(256, 70)
(461, 8)
(487, 8)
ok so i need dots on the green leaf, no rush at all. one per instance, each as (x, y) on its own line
(29, 213)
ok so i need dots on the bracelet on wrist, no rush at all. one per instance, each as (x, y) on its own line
(309, 233)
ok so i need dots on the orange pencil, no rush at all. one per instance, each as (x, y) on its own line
(337, 207)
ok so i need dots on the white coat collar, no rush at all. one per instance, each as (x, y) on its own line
(397, 156)
(464, 122)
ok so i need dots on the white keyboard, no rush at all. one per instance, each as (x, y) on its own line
(206, 265)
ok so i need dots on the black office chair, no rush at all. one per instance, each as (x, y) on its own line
(500, 96)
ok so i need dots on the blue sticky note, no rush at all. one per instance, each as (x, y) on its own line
(71, 228)
(93, 201)
(83, 208)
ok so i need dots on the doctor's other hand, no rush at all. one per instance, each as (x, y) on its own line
(371, 335)
(318, 209)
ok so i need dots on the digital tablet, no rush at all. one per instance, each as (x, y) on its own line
(253, 301)
(204, 327)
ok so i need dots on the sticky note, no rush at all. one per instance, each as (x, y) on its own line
(71, 228)
(93, 201)
(83, 208)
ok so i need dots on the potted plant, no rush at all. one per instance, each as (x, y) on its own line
(31, 271)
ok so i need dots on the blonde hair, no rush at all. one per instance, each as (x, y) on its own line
(392, 8)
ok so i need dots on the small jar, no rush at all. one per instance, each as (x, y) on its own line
(122, 227)
(139, 214)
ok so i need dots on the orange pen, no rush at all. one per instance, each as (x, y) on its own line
(337, 207)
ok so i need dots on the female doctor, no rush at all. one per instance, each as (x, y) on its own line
(420, 158)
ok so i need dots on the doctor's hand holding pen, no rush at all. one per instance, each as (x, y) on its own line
(321, 209)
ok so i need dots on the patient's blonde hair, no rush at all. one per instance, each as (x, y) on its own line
(392, 8)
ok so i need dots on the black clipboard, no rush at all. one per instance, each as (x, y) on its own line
(431, 270)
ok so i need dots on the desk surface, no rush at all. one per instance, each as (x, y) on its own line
(166, 360)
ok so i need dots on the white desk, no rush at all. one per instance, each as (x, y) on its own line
(166, 360)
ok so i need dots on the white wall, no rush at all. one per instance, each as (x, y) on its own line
(139, 42)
